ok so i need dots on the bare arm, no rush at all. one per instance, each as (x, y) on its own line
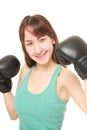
(85, 88)
(74, 87)
(9, 98)
(9, 102)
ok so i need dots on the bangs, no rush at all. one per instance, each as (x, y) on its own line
(38, 28)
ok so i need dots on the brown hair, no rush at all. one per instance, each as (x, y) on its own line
(41, 27)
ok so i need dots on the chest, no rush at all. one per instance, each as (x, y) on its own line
(37, 83)
(41, 106)
(36, 104)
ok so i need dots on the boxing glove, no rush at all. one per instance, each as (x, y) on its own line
(73, 50)
(5, 84)
(9, 66)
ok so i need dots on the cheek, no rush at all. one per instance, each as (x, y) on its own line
(47, 46)
(29, 50)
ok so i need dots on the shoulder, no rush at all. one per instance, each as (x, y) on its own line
(67, 82)
(68, 76)
(24, 69)
(68, 79)
(23, 72)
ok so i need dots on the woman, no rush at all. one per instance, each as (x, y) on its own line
(44, 86)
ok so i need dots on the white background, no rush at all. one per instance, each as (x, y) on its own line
(68, 17)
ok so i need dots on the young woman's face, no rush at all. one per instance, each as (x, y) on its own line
(39, 49)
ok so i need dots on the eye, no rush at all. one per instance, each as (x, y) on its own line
(28, 43)
(42, 39)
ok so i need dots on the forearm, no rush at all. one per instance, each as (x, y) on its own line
(85, 90)
(85, 84)
(9, 102)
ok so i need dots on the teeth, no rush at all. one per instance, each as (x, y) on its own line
(40, 55)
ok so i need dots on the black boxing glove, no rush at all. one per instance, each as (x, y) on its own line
(5, 84)
(73, 50)
(9, 66)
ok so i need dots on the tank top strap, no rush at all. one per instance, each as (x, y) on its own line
(54, 76)
(56, 72)
(28, 74)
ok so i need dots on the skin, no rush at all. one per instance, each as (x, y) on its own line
(40, 50)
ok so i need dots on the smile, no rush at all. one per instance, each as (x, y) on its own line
(41, 57)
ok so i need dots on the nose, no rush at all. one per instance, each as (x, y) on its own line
(37, 48)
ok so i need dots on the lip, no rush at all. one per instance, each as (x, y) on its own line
(41, 57)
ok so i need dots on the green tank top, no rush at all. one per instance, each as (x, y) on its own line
(43, 111)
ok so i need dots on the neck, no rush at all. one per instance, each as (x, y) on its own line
(47, 67)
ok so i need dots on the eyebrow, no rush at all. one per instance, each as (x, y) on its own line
(31, 40)
(28, 40)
